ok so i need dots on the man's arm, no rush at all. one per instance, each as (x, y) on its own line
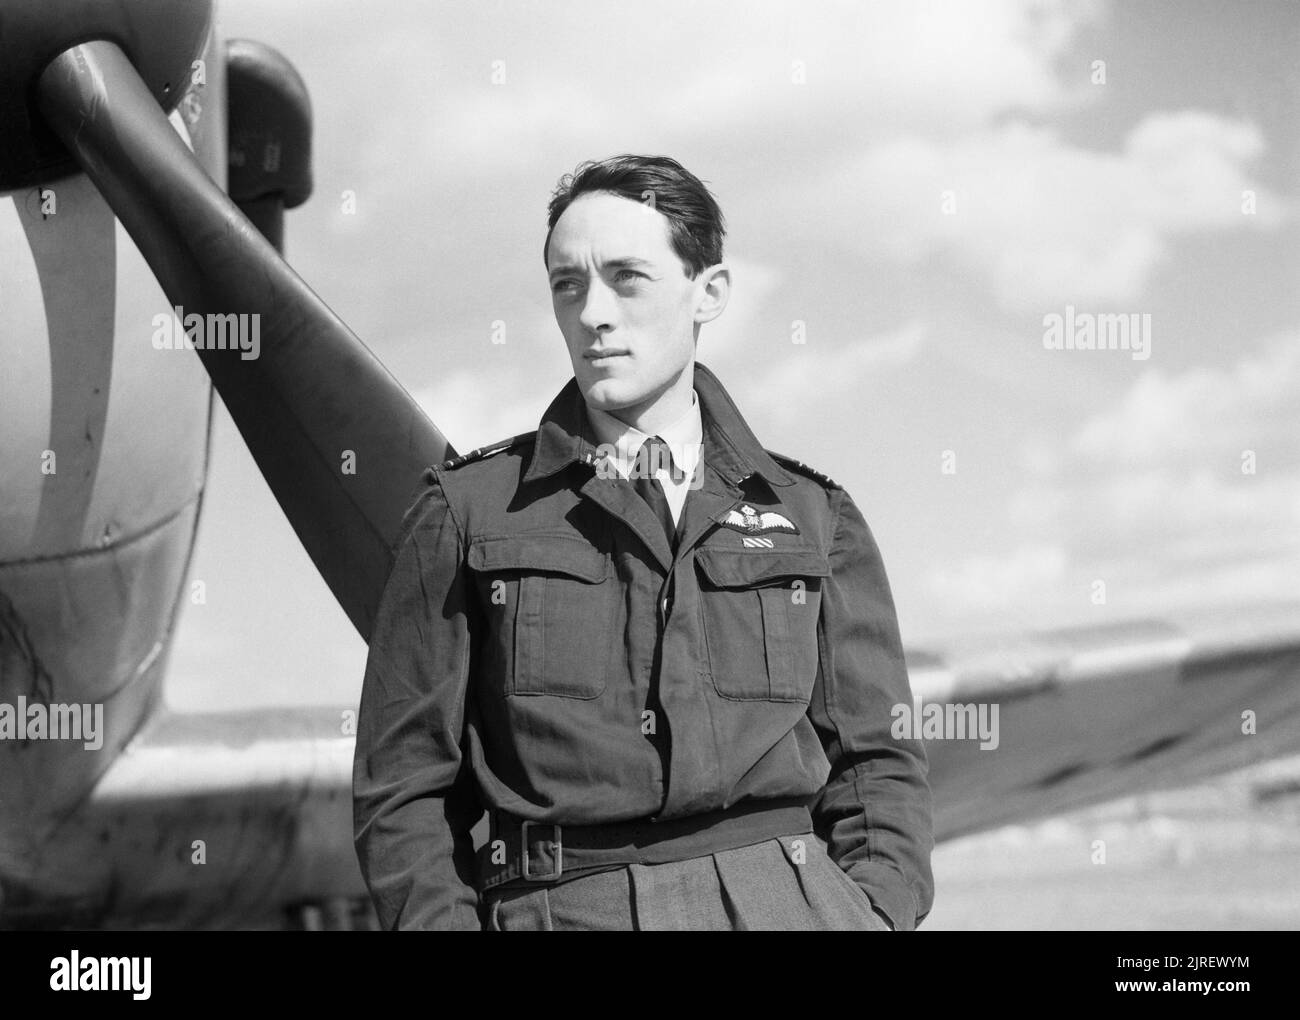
(413, 803)
(875, 811)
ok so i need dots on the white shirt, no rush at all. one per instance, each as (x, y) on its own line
(620, 442)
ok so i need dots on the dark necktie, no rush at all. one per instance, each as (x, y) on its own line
(654, 453)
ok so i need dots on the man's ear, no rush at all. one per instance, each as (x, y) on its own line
(713, 287)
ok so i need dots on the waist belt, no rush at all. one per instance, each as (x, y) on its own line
(520, 850)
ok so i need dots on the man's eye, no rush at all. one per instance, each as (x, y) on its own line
(562, 286)
(627, 273)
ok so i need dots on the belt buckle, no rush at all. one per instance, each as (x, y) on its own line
(559, 853)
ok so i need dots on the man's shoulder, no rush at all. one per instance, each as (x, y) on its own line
(484, 459)
(802, 469)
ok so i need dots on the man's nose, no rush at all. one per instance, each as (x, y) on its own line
(599, 307)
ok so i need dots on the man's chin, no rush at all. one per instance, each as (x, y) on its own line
(612, 394)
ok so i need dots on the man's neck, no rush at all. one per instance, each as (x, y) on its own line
(667, 407)
(620, 445)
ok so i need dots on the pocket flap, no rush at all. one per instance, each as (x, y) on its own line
(555, 553)
(745, 568)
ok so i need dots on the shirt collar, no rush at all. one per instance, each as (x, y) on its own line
(565, 435)
(620, 441)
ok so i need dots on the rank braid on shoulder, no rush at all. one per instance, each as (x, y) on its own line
(803, 469)
(483, 452)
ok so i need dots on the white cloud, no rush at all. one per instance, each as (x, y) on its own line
(804, 379)
(1168, 419)
(1149, 495)
(986, 584)
(942, 65)
(504, 396)
(1047, 222)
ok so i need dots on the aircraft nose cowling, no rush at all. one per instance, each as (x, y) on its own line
(341, 444)
(161, 38)
(269, 125)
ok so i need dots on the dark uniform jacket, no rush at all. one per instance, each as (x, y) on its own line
(535, 603)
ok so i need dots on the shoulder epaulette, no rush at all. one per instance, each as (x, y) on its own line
(803, 469)
(484, 452)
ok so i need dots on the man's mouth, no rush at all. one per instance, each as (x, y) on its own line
(605, 354)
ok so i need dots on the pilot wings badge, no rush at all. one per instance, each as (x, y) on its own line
(753, 525)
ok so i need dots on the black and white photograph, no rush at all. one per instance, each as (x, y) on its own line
(705, 466)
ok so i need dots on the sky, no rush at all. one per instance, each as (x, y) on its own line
(913, 190)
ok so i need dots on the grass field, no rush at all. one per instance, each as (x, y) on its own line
(1223, 855)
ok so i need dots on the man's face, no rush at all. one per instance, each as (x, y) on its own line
(623, 301)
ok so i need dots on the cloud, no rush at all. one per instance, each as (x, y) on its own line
(803, 380)
(1149, 494)
(1168, 418)
(855, 67)
(503, 395)
(987, 584)
(1046, 222)
(1209, 451)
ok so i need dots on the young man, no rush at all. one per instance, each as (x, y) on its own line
(661, 657)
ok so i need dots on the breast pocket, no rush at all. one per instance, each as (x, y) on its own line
(549, 603)
(760, 611)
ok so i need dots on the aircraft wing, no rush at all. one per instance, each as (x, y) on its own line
(1096, 713)
(209, 820)
(242, 818)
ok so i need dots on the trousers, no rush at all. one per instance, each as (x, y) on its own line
(783, 884)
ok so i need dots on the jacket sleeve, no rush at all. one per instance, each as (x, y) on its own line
(413, 803)
(875, 811)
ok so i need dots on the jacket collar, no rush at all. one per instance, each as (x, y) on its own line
(565, 436)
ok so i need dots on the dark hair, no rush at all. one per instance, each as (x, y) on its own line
(695, 221)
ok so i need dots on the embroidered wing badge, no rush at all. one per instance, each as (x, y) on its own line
(753, 525)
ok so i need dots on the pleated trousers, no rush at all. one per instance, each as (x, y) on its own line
(783, 884)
